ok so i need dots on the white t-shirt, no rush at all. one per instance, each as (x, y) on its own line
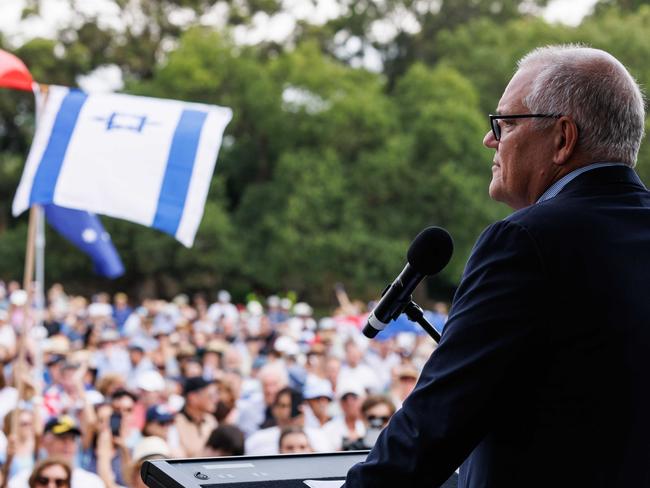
(80, 479)
(336, 429)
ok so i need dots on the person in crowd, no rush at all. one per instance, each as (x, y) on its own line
(318, 395)
(293, 440)
(223, 309)
(121, 310)
(159, 422)
(195, 422)
(255, 410)
(405, 377)
(123, 404)
(24, 441)
(60, 438)
(382, 358)
(148, 449)
(347, 427)
(226, 411)
(112, 357)
(376, 412)
(225, 440)
(508, 401)
(354, 369)
(52, 472)
(287, 411)
(139, 362)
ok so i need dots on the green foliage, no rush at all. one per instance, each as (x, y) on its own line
(327, 172)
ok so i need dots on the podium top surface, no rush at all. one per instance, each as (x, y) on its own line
(249, 471)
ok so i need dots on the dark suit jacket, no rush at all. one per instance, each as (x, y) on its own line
(542, 375)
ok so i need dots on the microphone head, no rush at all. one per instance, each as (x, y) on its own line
(430, 251)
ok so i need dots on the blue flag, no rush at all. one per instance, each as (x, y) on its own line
(85, 230)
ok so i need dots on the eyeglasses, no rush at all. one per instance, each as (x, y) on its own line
(496, 128)
(45, 481)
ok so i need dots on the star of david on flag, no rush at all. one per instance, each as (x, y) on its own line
(141, 159)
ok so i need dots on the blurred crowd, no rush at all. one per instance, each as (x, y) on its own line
(106, 384)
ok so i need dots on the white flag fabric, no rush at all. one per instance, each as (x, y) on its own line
(146, 160)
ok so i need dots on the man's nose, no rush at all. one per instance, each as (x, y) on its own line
(490, 141)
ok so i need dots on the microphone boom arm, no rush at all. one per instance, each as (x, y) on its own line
(414, 312)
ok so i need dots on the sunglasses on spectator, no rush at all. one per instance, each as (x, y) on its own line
(374, 418)
(45, 481)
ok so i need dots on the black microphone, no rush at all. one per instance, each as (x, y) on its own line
(429, 252)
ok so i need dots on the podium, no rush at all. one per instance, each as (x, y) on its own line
(281, 471)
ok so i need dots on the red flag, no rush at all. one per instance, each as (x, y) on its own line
(14, 73)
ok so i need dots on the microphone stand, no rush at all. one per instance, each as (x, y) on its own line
(414, 312)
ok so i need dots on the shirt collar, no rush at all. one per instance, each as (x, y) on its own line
(553, 190)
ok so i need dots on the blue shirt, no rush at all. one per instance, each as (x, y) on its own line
(559, 185)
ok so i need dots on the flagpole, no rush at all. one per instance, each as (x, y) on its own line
(19, 367)
(39, 288)
(35, 212)
(40, 246)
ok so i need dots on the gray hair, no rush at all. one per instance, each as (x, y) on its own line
(597, 91)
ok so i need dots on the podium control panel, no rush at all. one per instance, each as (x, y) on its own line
(326, 470)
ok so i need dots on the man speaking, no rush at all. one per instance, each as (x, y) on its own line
(542, 375)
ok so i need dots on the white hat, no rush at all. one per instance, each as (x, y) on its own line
(255, 308)
(150, 446)
(223, 296)
(347, 387)
(303, 309)
(286, 345)
(18, 298)
(151, 381)
(316, 388)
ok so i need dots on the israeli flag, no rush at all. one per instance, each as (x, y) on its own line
(86, 231)
(145, 160)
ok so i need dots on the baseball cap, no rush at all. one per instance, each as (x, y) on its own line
(160, 414)
(63, 424)
(195, 383)
(317, 388)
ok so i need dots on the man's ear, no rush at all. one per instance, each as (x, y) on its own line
(565, 138)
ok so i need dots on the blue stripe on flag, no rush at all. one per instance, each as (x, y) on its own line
(49, 168)
(180, 164)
